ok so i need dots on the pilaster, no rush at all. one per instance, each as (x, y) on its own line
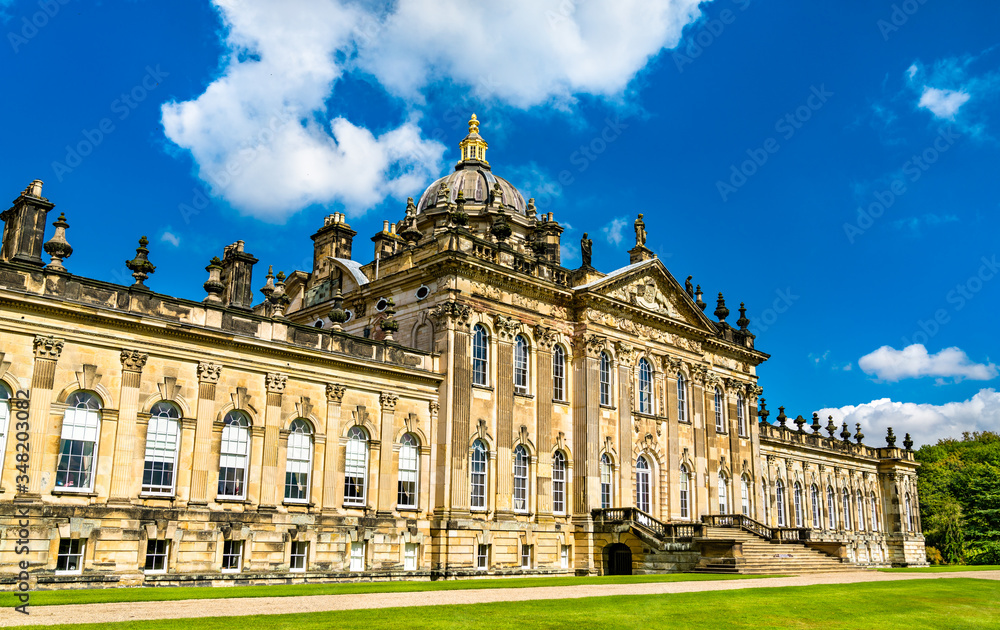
(331, 459)
(506, 330)
(47, 351)
(122, 479)
(385, 498)
(625, 358)
(271, 484)
(208, 380)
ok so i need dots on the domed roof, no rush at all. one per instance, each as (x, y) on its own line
(476, 182)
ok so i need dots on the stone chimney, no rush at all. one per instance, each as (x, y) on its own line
(548, 231)
(237, 269)
(333, 240)
(24, 227)
(387, 242)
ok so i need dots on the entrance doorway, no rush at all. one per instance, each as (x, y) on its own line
(618, 559)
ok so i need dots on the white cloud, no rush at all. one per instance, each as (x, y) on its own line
(613, 231)
(889, 364)
(170, 237)
(924, 422)
(262, 134)
(942, 103)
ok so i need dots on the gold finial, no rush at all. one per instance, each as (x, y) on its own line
(473, 124)
(473, 147)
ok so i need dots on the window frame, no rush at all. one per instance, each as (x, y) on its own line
(522, 365)
(723, 494)
(817, 512)
(294, 553)
(606, 381)
(480, 356)
(643, 489)
(525, 554)
(645, 387)
(779, 499)
(409, 451)
(241, 421)
(232, 549)
(874, 511)
(797, 499)
(162, 554)
(478, 479)
(563, 556)
(357, 556)
(741, 420)
(846, 505)
(607, 482)
(682, 410)
(831, 506)
(5, 413)
(411, 561)
(720, 421)
(75, 548)
(87, 405)
(685, 492)
(559, 374)
(158, 432)
(862, 521)
(746, 505)
(765, 499)
(522, 469)
(482, 557)
(298, 430)
(358, 496)
(559, 483)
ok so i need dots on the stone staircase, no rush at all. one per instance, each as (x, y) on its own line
(735, 550)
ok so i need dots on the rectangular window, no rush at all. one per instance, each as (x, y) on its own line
(156, 556)
(232, 556)
(410, 557)
(526, 556)
(161, 453)
(297, 560)
(357, 556)
(482, 557)
(70, 558)
(564, 556)
(77, 450)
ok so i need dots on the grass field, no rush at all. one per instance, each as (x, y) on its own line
(955, 604)
(152, 594)
(945, 568)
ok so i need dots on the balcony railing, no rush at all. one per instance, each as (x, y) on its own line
(744, 522)
(643, 521)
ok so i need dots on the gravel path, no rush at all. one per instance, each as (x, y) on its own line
(233, 607)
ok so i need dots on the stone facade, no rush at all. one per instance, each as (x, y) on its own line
(460, 405)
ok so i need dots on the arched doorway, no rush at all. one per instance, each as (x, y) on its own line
(618, 559)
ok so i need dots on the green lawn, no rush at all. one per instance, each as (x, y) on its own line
(945, 568)
(955, 604)
(152, 594)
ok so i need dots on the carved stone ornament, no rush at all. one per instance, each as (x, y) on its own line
(435, 408)
(671, 364)
(712, 379)
(699, 373)
(545, 337)
(753, 392)
(595, 345)
(626, 353)
(275, 383)
(335, 392)
(209, 372)
(133, 360)
(506, 327)
(48, 347)
(451, 311)
(388, 401)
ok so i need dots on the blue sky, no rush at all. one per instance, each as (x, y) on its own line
(832, 165)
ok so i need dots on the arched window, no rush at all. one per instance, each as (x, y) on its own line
(745, 495)
(558, 373)
(765, 502)
(642, 484)
(816, 506)
(521, 365)
(356, 466)
(477, 473)
(861, 512)
(4, 420)
(685, 493)
(681, 398)
(161, 449)
(480, 355)
(521, 478)
(605, 379)
(78, 444)
(234, 454)
(720, 423)
(741, 419)
(559, 483)
(645, 387)
(779, 495)
(607, 489)
(831, 507)
(723, 495)
(848, 523)
(909, 513)
(798, 504)
(409, 468)
(874, 506)
(298, 461)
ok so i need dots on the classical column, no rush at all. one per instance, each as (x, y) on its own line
(122, 480)
(545, 338)
(270, 487)
(331, 490)
(506, 330)
(671, 367)
(625, 356)
(208, 380)
(456, 318)
(385, 500)
(587, 425)
(47, 351)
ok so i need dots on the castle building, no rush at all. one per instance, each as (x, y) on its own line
(460, 405)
